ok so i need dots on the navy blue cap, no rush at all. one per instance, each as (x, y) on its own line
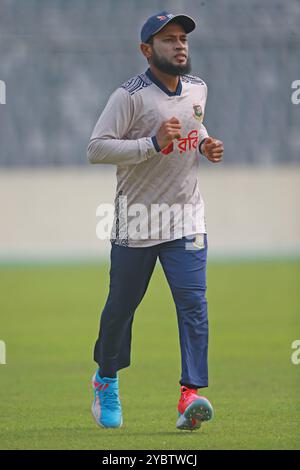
(156, 22)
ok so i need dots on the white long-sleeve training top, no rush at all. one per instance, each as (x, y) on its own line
(157, 197)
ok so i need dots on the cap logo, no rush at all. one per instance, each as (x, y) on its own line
(161, 18)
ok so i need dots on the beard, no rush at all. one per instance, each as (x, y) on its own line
(167, 67)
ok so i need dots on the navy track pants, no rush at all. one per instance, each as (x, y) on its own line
(184, 265)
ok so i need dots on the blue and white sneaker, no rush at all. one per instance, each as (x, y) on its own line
(106, 406)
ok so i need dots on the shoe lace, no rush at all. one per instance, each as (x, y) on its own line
(110, 398)
(185, 394)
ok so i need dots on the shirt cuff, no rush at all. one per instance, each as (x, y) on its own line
(155, 143)
(200, 145)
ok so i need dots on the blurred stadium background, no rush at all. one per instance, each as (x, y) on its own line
(60, 60)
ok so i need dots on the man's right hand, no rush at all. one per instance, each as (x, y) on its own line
(168, 131)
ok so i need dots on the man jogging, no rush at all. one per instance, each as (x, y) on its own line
(152, 129)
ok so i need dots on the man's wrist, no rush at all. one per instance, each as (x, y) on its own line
(201, 145)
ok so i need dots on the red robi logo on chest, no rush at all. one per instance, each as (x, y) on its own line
(184, 144)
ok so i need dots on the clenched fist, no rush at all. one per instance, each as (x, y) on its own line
(213, 149)
(168, 131)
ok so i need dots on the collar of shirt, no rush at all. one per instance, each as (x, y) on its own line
(158, 83)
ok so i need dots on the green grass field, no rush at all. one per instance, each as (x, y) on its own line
(49, 322)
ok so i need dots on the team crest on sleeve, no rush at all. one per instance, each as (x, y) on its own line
(198, 114)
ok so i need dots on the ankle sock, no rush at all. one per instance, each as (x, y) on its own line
(106, 373)
(190, 386)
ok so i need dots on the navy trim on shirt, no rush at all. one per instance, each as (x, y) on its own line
(155, 143)
(200, 145)
(160, 85)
